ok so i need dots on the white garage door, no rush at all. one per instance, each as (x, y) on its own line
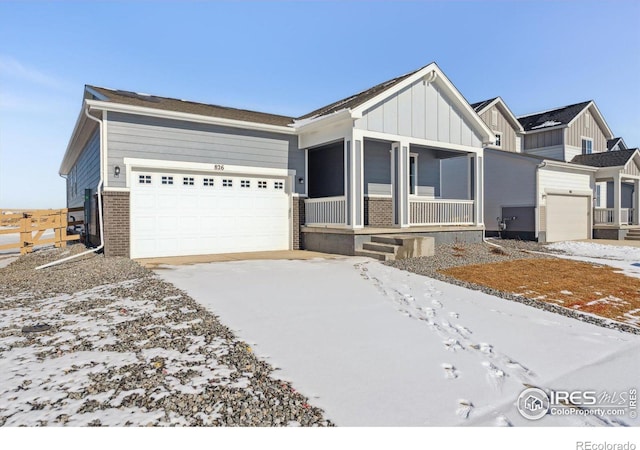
(567, 218)
(175, 214)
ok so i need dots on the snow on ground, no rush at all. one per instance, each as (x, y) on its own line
(374, 346)
(626, 258)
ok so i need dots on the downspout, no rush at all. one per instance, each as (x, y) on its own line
(99, 192)
(538, 167)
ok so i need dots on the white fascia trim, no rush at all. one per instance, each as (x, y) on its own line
(96, 94)
(116, 189)
(573, 192)
(599, 117)
(467, 110)
(139, 163)
(540, 130)
(481, 111)
(175, 115)
(308, 125)
(509, 114)
(569, 166)
(419, 141)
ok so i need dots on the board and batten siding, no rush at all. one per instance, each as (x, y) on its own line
(85, 173)
(554, 179)
(586, 126)
(501, 125)
(421, 110)
(132, 136)
(510, 181)
(540, 139)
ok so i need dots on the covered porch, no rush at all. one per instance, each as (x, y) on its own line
(374, 183)
(617, 204)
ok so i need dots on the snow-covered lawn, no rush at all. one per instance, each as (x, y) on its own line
(373, 345)
(626, 258)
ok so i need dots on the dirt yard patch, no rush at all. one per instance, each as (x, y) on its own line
(581, 286)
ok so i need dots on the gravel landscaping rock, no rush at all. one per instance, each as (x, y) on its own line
(462, 254)
(122, 347)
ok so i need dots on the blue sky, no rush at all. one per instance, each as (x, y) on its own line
(292, 57)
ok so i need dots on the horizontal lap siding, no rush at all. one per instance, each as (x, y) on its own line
(86, 172)
(172, 140)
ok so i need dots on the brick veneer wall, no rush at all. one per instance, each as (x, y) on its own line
(298, 220)
(116, 223)
(378, 212)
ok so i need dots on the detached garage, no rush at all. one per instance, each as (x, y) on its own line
(536, 198)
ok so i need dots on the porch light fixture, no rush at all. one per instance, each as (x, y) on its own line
(116, 171)
(301, 180)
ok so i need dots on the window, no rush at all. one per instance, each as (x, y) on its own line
(498, 142)
(167, 180)
(245, 183)
(207, 182)
(144, 179)
(587, 146)
(227, 183)
(278, 185)
(413, 174)
(262, 184)
(187, 181)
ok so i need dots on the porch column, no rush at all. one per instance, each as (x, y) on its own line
(636, 202)
(478, 188)
(353, 181)
(400, 183)
(617, 196)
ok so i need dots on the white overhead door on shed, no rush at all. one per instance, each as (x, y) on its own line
(567, 217)
(174, 214)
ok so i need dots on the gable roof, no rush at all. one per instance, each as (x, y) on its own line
(605, 159)
(482, 106)
(359, 98)
(185, 106)
(479, 106)
(616, 141)
(552, 118)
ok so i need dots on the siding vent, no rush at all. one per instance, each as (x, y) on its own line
(262, 184)
(207, 182)
(587, 119)
(278, 185)
(227, 183)
(245, 183)
(187, 181)
(144, 179)
(167, 180)
(494, 118)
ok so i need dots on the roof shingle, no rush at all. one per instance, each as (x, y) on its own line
(477, 107)
(552, 118)
(605, 159)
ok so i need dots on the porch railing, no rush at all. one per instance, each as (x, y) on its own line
(324, 211)
(440, 212)
(607, 216)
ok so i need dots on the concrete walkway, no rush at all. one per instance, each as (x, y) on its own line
(153, 263)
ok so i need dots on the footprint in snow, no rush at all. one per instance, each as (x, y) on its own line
(429, 312)
(453, 345)
(464, 408)
(464, 331)
(516, 365)
(486, 348)
(494, 375)
(454, 315)
(436, 303)
(503, 421)
(450, 372)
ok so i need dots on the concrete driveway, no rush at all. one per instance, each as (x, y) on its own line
(376, 346)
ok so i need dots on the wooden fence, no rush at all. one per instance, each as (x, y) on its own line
(30, 226)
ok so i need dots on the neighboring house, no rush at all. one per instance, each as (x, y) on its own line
(617, 195)
(566, 132)
(531, 196)
(185, 178)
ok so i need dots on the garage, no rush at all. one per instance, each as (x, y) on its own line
(180, 214)
(568, 217)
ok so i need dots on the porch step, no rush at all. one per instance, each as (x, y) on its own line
(634, 232)
(393, 240)
(379, 247)
(632, 237)
(380, 256)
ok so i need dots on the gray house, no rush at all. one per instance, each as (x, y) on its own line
(174, 177)
(550, 175)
